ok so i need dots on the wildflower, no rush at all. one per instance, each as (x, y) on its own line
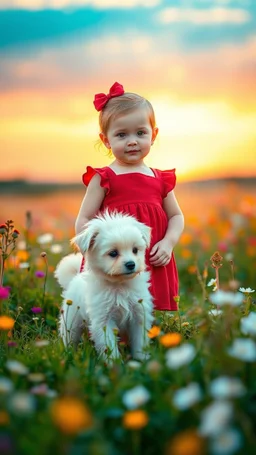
(11, 344)
(177, 357)
(246, 290)
(185, 324)
(135, 420)
(56, 248)
(213, 282)
(3, 228)
(154, 331)
(14, 366)
(226, 387)
(6, 385)
(176, 299)
(39, 274)
(170, 339)
(69, 302)
(43, 254)
(186, 443)
(4, 292)
(248, 324)
(71, 415)
(45, 238)
(226, 443)
(186, 397)
(15, 234)
(216, 259)
(226, 298)
(6, 323)
(215, 418)
(36, 309)
(35, 319)
(22, 403)
(136, 397)
(243, 349)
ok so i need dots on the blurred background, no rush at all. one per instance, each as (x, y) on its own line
(195, 60)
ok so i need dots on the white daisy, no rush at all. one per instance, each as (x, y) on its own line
(243, 349)
(136, 397)
(186, 397)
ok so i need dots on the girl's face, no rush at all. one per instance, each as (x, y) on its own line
(130, 136)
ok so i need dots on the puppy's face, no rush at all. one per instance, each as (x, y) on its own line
(115, 246)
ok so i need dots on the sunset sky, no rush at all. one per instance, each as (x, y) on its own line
(195, 60)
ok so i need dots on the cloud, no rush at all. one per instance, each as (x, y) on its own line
(61, 4)
(207, 16)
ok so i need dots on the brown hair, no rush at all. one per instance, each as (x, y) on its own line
(121, 105)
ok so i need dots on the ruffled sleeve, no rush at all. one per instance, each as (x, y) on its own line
(104, 179)
(169, 181)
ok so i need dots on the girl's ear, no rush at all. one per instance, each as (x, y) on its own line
(105, 141)
(154, 134)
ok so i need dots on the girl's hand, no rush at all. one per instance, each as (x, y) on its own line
(160, 254)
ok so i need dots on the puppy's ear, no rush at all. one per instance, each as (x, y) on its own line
(146, 233)
(85, 239)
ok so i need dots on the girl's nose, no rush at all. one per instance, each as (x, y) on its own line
(132, 141)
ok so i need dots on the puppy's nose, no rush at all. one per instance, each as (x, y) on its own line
(130, 265)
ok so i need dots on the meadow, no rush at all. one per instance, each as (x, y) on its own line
(195, 395)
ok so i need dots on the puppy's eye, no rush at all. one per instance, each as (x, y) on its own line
(113, 253)
(135, 250)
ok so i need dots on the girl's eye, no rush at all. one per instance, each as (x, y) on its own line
(135, 250)
(121, 134)
(140, 133)
(113, 253)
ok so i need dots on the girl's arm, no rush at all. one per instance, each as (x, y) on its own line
(161, 252)
(91, 203)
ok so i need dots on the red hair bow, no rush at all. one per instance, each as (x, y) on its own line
(100, 100)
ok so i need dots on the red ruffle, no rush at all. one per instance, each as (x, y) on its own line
(104, 180)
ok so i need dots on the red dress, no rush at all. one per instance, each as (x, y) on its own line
(142, 196)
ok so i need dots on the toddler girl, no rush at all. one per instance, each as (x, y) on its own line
(128, 129)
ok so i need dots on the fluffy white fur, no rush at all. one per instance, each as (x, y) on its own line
(113, 290)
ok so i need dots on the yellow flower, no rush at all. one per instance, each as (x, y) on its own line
(6, 323)
(186, 443)
(170, 339)
(69, 302)
(135, 420)
(154, 331)
(70, 415)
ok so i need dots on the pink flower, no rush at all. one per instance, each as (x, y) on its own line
(4, 292)
(39, 274)
(36, 309)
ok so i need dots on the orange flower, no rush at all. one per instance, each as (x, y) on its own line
(22, 255)
(70, 415)
(186, 443)
(186, 239)
(192, 269)
(186, 253)
(135, 420)
(170, 339)
(154, 331)
(6, 323)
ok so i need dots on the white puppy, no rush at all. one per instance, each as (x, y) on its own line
(113, 290)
